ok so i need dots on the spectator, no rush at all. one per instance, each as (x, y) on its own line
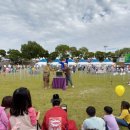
(22, 111)
(67, 72)
(71, 123)
(55, 118)
(7, 103)
(124, 118)
(4, 122)
(93, 122)
(111, 123)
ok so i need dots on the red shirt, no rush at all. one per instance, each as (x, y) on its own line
(55, 117)
(72, 125)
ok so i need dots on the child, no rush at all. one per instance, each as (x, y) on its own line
(110, 120)
(124, 118)
(22, 111)
(93, 122)
(7, 103)
(3, 119)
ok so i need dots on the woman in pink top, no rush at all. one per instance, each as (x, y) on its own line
(110, 120)
(22, 110)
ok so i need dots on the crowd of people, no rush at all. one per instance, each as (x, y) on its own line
(18, 113)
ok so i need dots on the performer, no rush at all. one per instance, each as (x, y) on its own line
(67, 72)
(46, 76)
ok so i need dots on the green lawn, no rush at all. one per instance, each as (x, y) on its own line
(95, 90)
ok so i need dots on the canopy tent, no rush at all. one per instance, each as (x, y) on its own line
(107, 62)
(95, 61)
(71, 62)
(56, 62)
(41, 62)
(83, 62)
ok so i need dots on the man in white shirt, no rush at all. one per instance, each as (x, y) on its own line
(93, 122)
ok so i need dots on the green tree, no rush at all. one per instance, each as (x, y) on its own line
(122, 52)
(62, 50)
(14, 55)
(53, 55)
(83, 50)
(32, 50)
(100, 55)
(2, 52)
(73, 51)
(90, 54)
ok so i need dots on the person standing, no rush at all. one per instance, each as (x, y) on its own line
(46, 76)
(55, 118)
(67, 72)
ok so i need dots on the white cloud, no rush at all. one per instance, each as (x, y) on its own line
(89, 23)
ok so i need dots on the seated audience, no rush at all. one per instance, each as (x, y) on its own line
(110, 120)
(124, 118)
(3, 119)
(55, 118)
(7, 103)
(93, 122)
(71, 123)
(23, 115)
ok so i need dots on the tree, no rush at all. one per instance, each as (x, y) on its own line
(53, 55)
(32, 50)
(122, 52)
(14, 55)
(90, 54)
(62, 50)
(100, 55)
(83, 50)
(3, 53)
(73, 51)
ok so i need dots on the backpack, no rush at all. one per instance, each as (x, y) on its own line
(21, 123)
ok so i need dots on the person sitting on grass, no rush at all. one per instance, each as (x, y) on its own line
(110, 120)
(71, 123)
(55, 118)
(4, 122)
(23, 115)
(124, 118)
(7, 103)
(93, 122)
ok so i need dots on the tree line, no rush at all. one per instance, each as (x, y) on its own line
(32, 49)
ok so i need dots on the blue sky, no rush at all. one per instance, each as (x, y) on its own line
(80, 23)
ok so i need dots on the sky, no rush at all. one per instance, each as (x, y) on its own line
(78, 23)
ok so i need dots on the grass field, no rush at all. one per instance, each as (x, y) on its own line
(95, 90)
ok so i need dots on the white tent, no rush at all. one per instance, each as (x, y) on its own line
(42, 62)
(83, 62)
(56, 62)
(108, 62)
(95, 61)
(71, 62)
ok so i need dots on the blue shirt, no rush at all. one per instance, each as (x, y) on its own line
(95, 123)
